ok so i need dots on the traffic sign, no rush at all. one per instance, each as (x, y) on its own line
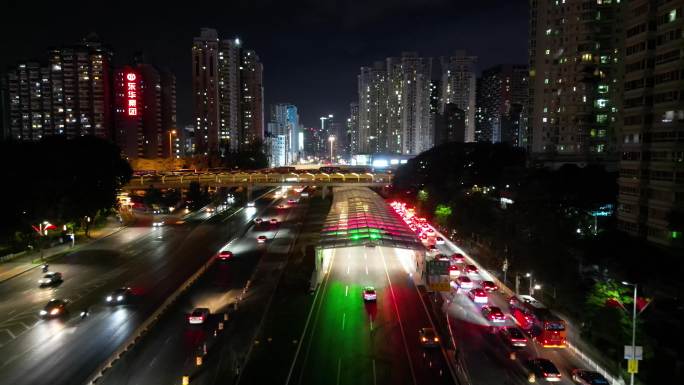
(630, 356)
(632, 366)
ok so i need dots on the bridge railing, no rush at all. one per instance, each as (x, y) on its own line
(256, 178)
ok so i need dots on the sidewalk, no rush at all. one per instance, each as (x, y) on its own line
(30, 260)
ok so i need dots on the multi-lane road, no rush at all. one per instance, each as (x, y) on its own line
(153, 262)
(170, 350)
(350, 341)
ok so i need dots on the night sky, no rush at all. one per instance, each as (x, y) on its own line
(311, 49)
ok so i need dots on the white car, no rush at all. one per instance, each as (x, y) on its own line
(250, 204)
(198, 316)
(439, 240)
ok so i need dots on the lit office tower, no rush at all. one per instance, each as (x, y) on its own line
(285, 122)
(574, 80)
(70, 96)
(502, 101)
(205, 91)
(458, 87)
(372, 88)
(408, 109)
(252, 99)
(651, 192)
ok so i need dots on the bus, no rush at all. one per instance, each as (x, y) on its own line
(535, 318)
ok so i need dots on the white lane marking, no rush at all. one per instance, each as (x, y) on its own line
(371, 324)
(374, 376)
(347, 269)
(10, 313)
(344, 318)
(346, 290)
(339, 368)
(366, 269)
(401, 326)
(153, 361)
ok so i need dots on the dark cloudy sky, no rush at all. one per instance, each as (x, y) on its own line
(311, 49)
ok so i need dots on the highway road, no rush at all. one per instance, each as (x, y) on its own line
(352, 342)
(169, 351)
(153, 262)
(484, 353)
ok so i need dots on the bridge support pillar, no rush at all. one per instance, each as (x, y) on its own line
(250, 189)
(324, 191)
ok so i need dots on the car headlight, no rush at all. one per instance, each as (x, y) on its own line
(119, 298)
(54, 311)
(109, 298)
(43, 312)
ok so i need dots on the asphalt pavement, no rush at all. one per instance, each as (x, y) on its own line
(350, 341)
(483, 353)
(152, 261)
(170, 350)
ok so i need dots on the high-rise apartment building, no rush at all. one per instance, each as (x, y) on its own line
(575, 80)
(227, 93)
(145, 112)
(502, 100)
(450, 125)
(394, 106)
(651, 179)
(459, 87)
(70, 94)
(373, 123)
(353, 129)
(252, 99)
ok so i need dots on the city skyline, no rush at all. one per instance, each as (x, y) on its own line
(322, 42)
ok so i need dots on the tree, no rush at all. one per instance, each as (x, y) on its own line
(60, 180)
(442, 214)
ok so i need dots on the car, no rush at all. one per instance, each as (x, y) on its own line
(489, 286)
(433, 249)
(513, 336)
(291, 201)
(157, 223)
(454, 271)
(457, 258)
(471, 269)
(304, 194)
(119, 296)
(224, 255)
(261, 239)
(281, 206)
(209, 209)
(543, 368)
(587, 377)
(428, 337)
(198, 316)
(54, 308)
(50, 278)
(439, 240)
(464, 282)
(250, 204)
(258, 220)
(273, 221)
(493, 314)
(423, 237)
(478, 295)
(369, 293)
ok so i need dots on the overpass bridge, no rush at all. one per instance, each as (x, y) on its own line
(251, 180)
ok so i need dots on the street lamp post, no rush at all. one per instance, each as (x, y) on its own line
(634, 315)
(331, 138)
(531, 288)
(171, 133)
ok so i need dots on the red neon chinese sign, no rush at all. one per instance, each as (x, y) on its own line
(131, 94)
